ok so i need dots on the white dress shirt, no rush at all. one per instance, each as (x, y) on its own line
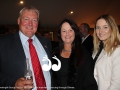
(83, 38)
(41, 53)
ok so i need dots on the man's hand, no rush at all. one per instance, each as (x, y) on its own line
(23, 84)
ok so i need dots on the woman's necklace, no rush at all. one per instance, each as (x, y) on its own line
(67, 50)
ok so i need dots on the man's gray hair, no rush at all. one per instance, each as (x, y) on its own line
(29, 8)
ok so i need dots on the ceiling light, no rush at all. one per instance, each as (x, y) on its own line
(71, 12)
(21, 2)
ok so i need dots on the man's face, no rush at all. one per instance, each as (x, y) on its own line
(83, 30)
(28, 23)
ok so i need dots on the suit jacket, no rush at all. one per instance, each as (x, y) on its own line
(88, 44)
(12, 58)
(54, 44)
(81, 78)
(107, 70)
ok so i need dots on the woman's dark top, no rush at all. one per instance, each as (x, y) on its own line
(70, 77)
(64, 71)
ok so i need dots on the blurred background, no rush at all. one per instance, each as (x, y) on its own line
(52, 12)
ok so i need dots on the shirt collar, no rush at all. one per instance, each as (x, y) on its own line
(25, 38)
(83, 39)
(86, 36)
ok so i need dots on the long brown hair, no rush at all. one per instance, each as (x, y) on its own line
(76, 44)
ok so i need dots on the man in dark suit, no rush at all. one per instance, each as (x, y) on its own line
(14, 49)
(87, 39)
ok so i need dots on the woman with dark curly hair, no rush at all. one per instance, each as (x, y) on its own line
(77, 66)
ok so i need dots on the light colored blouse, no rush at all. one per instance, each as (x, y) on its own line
(107, 70)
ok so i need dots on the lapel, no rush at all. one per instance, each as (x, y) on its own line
(86, 40)
(45, 46)
(102, 54)
(18, 46)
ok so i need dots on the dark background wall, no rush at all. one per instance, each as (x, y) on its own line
(53, 11)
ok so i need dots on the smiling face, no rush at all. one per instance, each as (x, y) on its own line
(67, 33)
(28, 22)
(103, 30)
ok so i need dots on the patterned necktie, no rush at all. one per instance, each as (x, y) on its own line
(39, 78)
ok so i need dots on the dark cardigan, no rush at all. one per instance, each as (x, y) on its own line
(81, 77)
